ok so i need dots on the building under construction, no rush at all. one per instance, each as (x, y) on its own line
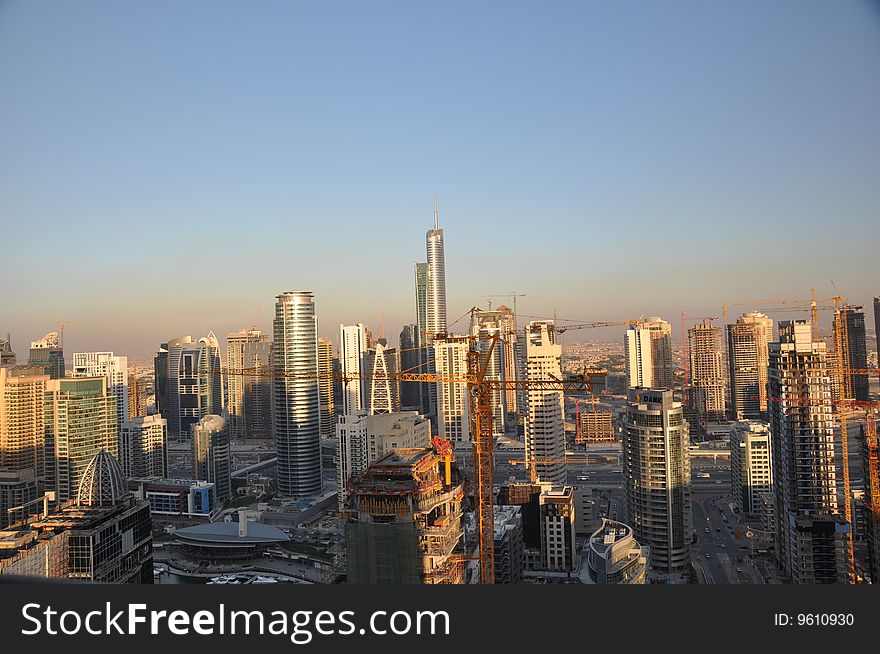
(595, 426)
(403, 520)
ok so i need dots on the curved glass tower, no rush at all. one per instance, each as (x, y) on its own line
(296, 407)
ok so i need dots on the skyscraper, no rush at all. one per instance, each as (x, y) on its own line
(855, 350)
(810, 531)
(747, 341)
(435, 282)
(48, 352)
(409, 362)
(453, 411)
(112, 368)
(80, 420)
(706, 357)
(325, 387)
(143, 450)
(877, 321)
(500, 367)
(544, 426)
(352, 360)
(212, 460)
(422, 339)
(657, 475)
(188, 382)
(296, 406)
(248, 385)
(648, 354)
(751, 464)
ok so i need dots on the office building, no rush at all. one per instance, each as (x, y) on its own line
(852, 321)
(544, 426)
(435, 280)
(648, 354)
(708, 385)
(410, 399)
(751, 464)
(296, 405)
(7, 356)
(143, 450)
(747, 357)
(325, 388)
(80, 421)
(810, 531)
(657, 476)
(424, 339)
(614, 556)
(188, 382)
(212, 455)
(103, 534)
(112, 368)
(248, 384)
(353, 360)
(453, 410)
(48, 352)
(403, 521)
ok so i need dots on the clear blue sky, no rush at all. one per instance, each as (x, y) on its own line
(166, 168)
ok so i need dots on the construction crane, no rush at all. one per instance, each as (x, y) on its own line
(511, 296)
(533, 474)
(598, 323)
(811, 305)
(480, 390)
(873, 498)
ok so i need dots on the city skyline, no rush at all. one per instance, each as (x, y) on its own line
(688, 139)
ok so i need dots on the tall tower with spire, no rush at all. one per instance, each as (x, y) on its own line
(434, 321)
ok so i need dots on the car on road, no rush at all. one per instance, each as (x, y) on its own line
(708, 556)
(718, 529)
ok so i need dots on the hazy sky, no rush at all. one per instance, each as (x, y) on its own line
(167, 168)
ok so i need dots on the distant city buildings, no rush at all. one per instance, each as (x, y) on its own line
(7, 356)
(810, 531)
(707, 382)
(325, 388)
(296, 404)
(48, 352)
(410, 398)
(657, 475)
(248, 384)
(747, 341)
(544, 426)
(751, 464)
(648, 354)
(188, 382)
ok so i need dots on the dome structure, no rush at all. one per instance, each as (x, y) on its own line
(102, 482)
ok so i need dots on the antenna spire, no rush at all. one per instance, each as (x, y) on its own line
(436, 214)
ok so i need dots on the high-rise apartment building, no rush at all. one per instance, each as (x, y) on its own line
(544, 426)
(747, 358)
(648, 354)
(483, 329)
(48, 352)
(558, 544)
(296, 404)
(877, 322)
(403, 521)
(810, 531)
(353, 360)
(248, 384)
(112, 368)
(657, 474)
(137, 394)
(708, 385)
(325, 388)
(80, 421)
(615, 556)
(143, 450)
(24, 459)
(751, 464)
(852, 321)
(503, 321)
(212, 459)
(453, 411)
(188, 382)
